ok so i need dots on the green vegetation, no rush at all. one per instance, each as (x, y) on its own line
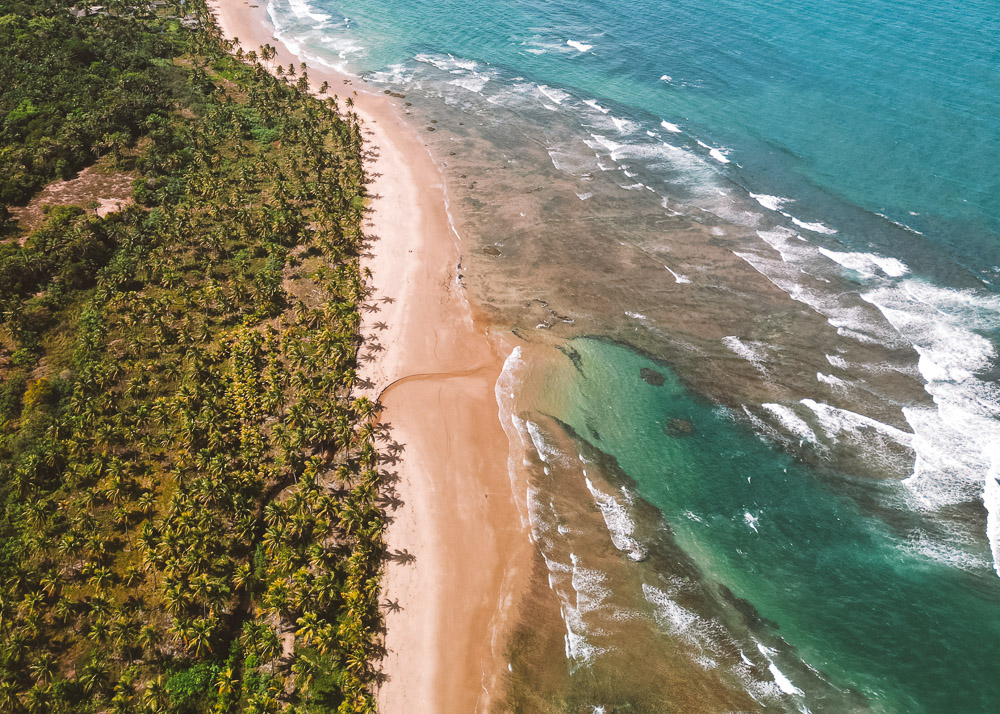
(190, 518)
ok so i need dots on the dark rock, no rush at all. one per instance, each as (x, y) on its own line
(679, 428)
(652, 377)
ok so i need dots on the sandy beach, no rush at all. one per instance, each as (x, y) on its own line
(461, 555)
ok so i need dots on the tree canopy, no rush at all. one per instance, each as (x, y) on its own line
(190, 488)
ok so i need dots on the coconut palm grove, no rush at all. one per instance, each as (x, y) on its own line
(191, 488)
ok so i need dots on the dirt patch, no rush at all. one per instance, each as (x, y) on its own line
(96, 189)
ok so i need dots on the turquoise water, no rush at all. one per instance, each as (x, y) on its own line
(855, 597)
(891, 106)
(840, 155)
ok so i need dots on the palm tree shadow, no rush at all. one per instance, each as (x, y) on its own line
(391, 459)
(403, 557)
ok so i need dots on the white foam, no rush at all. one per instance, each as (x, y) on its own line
(303, 10)
(584, 196)
(546, 452)
(620, 525)
(666, 78)
(814, 227)
(772, 203)
(783, 682)
(505, 391)
(577, 647)
(851, 320)
(901, 225)
(394, 74)
(836, 421)
(447, 63)
(682, 279)
(588, 584)
(792, 422)
(716, 153)
(593, 103)
(474, 82)
(580, 590)
(957, 442)
(882, 443)
(751, 521)
(719, 156)
(752, 352)
(579, 46)
(789, 244)
(343, 46)
(948, 553)
(556, 96)
(571, 160)
(635, 315)
(991, 500)
(765, 431)
(837, 361)
(831, 380)
(671, 127)
(624, 126)
(867, 263)
(669, 614)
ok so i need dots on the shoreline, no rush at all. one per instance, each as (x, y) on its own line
(460, 555)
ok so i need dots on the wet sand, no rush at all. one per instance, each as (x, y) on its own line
(461, 555)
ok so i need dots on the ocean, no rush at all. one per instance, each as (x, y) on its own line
(745, 260)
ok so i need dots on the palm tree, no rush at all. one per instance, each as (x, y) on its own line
(123, 632)
(154, 696)
(227, 682)
(148, 639)
(93, 677)
(308, 625)
(305, 669)
(43, 669)
(9, 700)
(198, 635)
(99, 631)
(269, 646)
(38, 699)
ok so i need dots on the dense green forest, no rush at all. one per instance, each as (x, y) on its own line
(190, 493)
